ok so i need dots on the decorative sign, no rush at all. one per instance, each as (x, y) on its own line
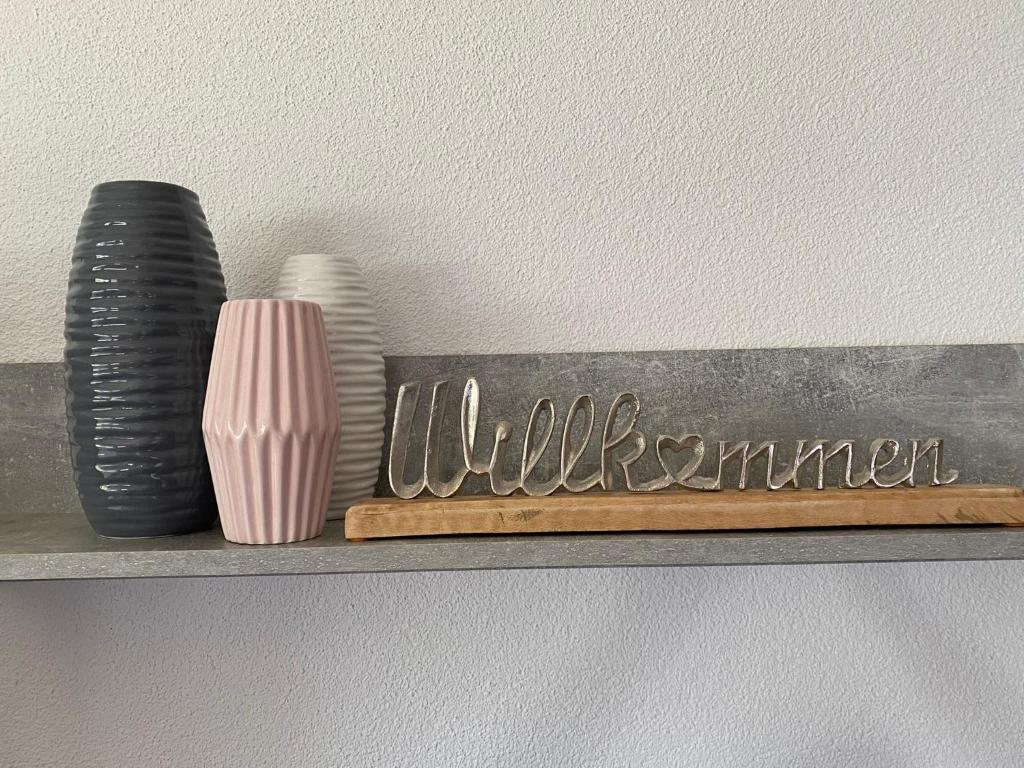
(889, 464)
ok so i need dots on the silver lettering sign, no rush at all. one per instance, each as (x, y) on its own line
(889, 462)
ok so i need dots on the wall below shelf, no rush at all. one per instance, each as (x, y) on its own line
(63, 546)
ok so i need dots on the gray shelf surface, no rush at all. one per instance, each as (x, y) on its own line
(972, 396)
(62, 546)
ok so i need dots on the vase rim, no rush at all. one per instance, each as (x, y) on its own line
(271, 301)
(318, 255)
(129, 183)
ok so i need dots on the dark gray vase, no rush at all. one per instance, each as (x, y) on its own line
(143, 297)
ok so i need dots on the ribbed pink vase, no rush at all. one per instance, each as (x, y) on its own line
(271, 421)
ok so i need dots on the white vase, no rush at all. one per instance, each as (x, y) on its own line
(336, 283)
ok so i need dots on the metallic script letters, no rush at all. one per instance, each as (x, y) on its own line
(885, 468)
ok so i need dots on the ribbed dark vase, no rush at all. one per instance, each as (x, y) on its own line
(143, 298)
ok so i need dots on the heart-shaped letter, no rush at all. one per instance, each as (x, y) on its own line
(694, 443)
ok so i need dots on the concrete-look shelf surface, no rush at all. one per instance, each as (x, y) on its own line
(971, 396)
(62, 546)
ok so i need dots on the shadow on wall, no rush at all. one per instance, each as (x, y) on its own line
(407, 263)
(252, 254)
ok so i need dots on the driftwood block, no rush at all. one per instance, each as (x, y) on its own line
(685, 511)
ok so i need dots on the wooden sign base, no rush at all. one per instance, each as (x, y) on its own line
(684, 511)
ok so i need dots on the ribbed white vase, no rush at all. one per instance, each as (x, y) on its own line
(335, 282)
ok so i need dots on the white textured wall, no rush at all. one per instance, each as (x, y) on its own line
(658, 176)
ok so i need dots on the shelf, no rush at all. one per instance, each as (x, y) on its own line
(971, 396)
(62, 546)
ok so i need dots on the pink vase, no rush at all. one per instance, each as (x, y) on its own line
(271, 421)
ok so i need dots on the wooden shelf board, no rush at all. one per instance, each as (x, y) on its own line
(62, 546)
